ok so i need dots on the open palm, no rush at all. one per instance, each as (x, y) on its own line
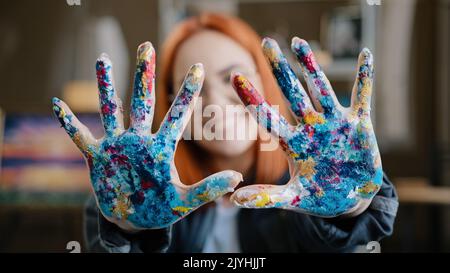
(333, 157)
(132, 171)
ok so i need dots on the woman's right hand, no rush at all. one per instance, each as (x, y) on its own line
(132, 171)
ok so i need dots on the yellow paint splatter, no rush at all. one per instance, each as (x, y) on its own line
(263, 199)
(203, 196)
(313, 118)
(144, 81)
(369, 188)
(307, 167)
(118, 130)
(89, 152)
(77, 139)
(122, 207)
(197, 73)
(293, 155)
(242, 82)
(160, 157)
(182, 209)
(272, 55)
(362, 102)
(144, 52)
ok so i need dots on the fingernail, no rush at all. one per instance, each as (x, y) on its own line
(197, 72)
(55, 100)
(300, 46)
(145, 50)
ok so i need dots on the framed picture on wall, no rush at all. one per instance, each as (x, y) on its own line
(342, 32)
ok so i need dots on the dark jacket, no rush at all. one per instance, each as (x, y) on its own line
(260, 230)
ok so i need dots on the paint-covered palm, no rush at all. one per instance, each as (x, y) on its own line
(132, 170)
(334, 161)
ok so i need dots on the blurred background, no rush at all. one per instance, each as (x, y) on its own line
(48, 48)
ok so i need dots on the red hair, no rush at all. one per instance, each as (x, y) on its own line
(269, 165)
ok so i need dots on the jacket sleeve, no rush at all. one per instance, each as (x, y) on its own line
(103, 236)
(351, 234)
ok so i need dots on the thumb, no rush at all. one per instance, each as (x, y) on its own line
(212, 187)
(262, 196)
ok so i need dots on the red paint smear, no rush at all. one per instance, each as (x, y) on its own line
(147, 185)
(149, 73)
(140, 197)
(101, 72)
(108, 108)
(112, 150)
(310, 63)
(283, 144)
(174, 212)
(246, 91)
(336, 180)
(101, 76)
(120, 159)
(310, 130)
(90, 162)
(295, 201)
(110, 172)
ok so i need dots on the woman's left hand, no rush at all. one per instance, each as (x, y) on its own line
(333, 156)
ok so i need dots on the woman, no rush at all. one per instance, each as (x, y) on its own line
(136, 209)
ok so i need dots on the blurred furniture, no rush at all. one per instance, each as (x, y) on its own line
(40, 227)
(419, 191)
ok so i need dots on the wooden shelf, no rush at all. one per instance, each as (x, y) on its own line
(418, 190)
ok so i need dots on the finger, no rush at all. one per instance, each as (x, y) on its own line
(261, 110)
(287, 80)
(179, 113)
(79, 133)
(261, 196)
(211, 188)
(362, 89)
(144, 89)
(110, 106)
(319, 86)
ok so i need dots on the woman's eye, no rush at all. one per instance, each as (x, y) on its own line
(226, 79)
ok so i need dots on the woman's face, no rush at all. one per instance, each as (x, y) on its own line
(221, 125)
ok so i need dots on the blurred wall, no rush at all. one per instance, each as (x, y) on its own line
(29, 31)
